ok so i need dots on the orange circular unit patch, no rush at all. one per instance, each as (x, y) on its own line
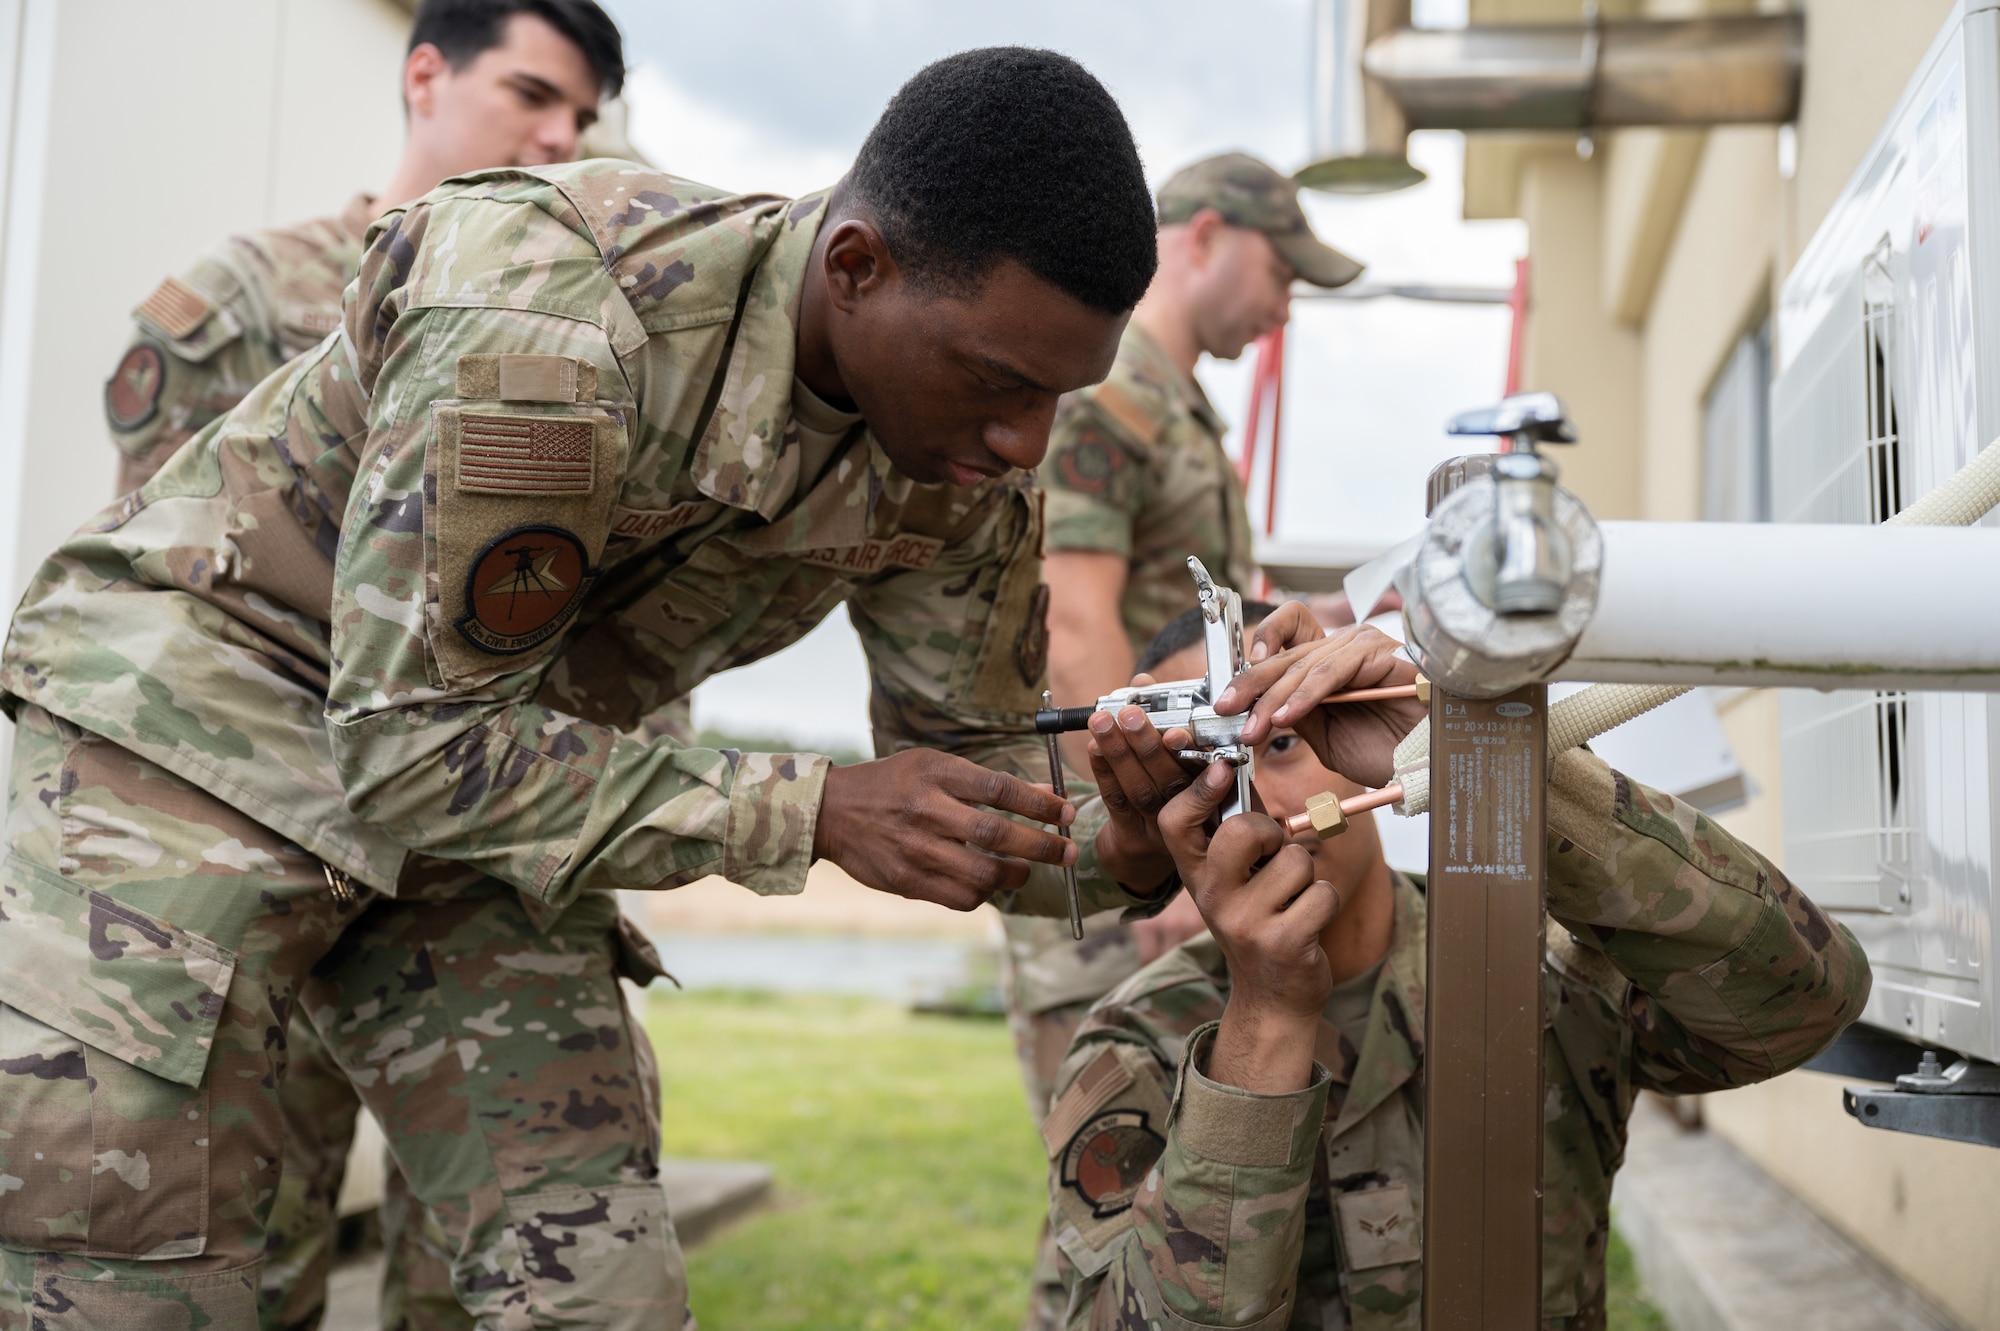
(523, 588)
(1108, 1158)
(133, 394)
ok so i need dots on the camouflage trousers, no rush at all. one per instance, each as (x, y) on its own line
(1050, 981)
(154, 945)
(320, 1110)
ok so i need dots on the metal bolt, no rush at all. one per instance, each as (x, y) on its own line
(1927, 1066)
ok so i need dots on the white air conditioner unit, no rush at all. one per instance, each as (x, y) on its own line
(1888, 382)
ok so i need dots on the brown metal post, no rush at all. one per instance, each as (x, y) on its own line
(1483, 1022)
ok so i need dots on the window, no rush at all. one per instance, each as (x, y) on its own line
(1736, 435)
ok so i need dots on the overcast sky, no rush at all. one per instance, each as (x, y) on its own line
(783, 101)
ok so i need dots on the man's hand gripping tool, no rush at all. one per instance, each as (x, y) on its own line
(1186, 704)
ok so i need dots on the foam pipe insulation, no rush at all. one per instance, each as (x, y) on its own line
(1765, 604)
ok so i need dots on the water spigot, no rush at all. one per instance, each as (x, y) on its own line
(1530, 556)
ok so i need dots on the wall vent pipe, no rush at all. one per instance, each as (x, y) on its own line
(1724, 70)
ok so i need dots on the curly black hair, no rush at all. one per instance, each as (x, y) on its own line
(463, 29)
(1008, 152)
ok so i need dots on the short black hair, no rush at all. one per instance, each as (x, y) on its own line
(1008, 152)
(463, 29)
(1184, 631)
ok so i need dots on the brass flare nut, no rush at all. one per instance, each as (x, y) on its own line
(1326, 815)
(1423, 691)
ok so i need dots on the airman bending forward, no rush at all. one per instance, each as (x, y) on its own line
(357, 672)
(484, 83)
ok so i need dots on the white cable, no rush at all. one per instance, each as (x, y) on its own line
(1583, 716)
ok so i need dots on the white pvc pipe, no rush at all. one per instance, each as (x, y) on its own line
(1960, 501)
(1822, 606)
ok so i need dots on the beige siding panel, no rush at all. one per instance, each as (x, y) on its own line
(1928, 1209)
(1648, 173)
(1714, 284)
(227, 115)
(1572, 346)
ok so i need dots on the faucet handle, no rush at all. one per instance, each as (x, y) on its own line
(1530, 418)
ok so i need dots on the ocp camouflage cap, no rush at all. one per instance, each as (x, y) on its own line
(1249, 193)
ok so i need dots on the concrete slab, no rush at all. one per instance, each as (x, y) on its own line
(354, 1296)
(704, 1195)
(1721, 1247)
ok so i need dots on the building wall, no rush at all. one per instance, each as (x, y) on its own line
(1684, 245)
(1571, 340)
(129, 157)
(1928, 1209)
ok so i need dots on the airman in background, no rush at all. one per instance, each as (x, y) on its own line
(1237, 1138)
(1136, 481)
(486, 83)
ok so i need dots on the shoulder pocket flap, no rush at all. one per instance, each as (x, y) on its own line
(517, 509)
(1140, 420)
(113, 977)
(220, 330)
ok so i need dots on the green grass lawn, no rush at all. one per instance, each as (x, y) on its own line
(909, 1179)
(1626, 1301)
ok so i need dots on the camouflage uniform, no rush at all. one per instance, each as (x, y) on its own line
(201, 341)
(209, 335)
(385, 629)
(1679, 960)
(1136, 468)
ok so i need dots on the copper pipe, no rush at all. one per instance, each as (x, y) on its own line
(1373, 799)
(1421, 691)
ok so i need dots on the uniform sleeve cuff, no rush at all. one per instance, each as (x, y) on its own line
(773, 812)
(1581, 798)
(1232, 1126)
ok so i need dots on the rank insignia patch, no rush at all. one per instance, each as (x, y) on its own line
(1107, 1160)
(133, 393)
(523, 588)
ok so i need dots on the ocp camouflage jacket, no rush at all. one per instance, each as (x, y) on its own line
(208, 335)
(412, 596)
(1135, 468)
(1679, 960)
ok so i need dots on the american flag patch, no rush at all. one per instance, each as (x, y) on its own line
(525, 455)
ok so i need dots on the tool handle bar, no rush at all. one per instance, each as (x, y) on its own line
(1062, 720)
